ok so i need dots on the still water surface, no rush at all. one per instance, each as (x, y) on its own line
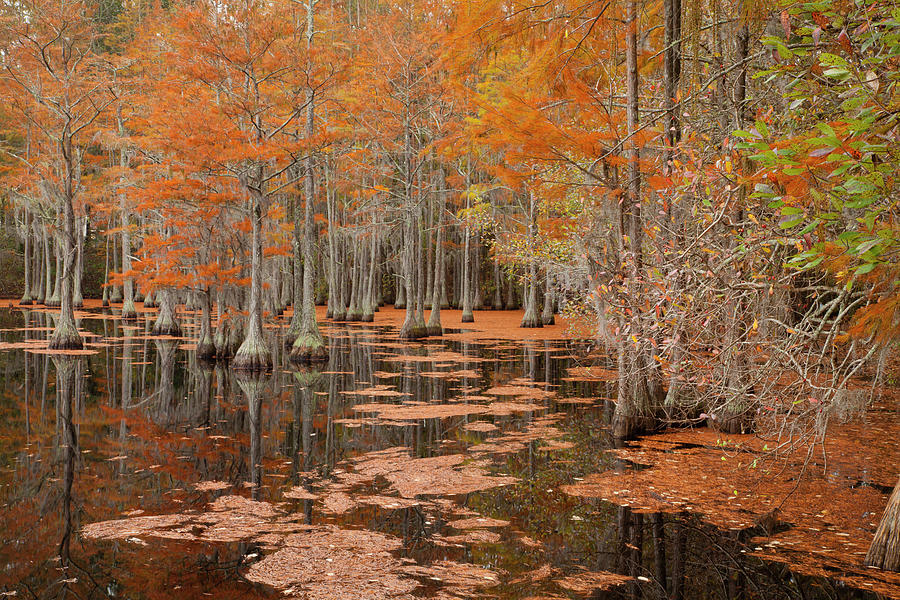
(330, 481)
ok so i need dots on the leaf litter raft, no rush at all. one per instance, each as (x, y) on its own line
(311, 562)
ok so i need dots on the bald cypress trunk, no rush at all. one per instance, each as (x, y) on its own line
(478, 297)
(166, 321)
(634, 403)
(253, 354)
(54, 299)
(498, 286)
(66, 335)
(369, 304)
(115, 291)
(309, 345)
(421, 326)
(531, 318)
(206, 348)
(77, 296)
(353, 312)
(48, 272)
(434, 320)
(547, 317)
(407, 330)
(884, 552)
(293, 329)
(26, 294)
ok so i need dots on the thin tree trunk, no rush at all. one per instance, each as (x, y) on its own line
(498, 286)
(26, 295)
(77, 295)
(55, 299)
(434, 319)
(421, 327)
(531, 318)
(106, 277)
(115, 292)
(467, 315)
(407, 330)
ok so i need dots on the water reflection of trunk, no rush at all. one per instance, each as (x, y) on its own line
(68, 372)
(26, 355)
(659, 549)
(126, 399)
(306, 384)
(252, 383)
(678, 555)
(202, 391)
(630, 546)
(165, 390)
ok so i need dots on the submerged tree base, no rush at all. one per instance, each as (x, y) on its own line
(206, 349)
(309, 349)
(468, 317)
(731, 422)
(66, 339)
(531, 321)
(166, 328)
(628, 427)
(245, 360)
(884, 552)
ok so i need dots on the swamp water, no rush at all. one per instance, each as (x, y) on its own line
(430, 469)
